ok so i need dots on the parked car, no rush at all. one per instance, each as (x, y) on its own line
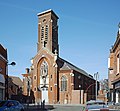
(116, 106)
(96, 105)
(11, 105)
(110, 103)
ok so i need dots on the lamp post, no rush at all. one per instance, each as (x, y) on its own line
(96, 75)
(93, 84)
(28, 90)
(89, 87)
(6, 94)
(12, 63)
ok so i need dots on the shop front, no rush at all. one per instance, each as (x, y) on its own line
(2, 87)
(116, 91)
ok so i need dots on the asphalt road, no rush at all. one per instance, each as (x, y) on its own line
(59, 107)
(56, 108)
(68, 108)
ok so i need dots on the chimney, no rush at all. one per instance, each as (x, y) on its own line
(27, 70)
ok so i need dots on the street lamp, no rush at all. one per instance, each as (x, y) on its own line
(92, 84)
(6, 94)
(12, 63)
(96, 75)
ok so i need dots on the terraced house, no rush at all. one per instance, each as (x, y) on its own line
(3, 66)
(50, 77)
(114, 70)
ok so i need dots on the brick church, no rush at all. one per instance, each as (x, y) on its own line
(50, 77)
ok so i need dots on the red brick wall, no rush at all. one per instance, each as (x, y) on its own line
(3, 62)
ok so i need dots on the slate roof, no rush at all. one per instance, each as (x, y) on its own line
(68, 66)
(17, 81)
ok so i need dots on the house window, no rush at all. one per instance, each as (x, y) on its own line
(118, 64)
(35, 77)
(51, 88)
(35, 89)
(51, 76)
(63, 83)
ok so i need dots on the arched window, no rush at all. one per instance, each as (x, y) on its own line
(63, 83)
(42, 34)
(46, 33)
(44, 71)
(44, 68)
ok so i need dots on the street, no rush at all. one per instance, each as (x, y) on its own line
(56, 108)
(60, 107)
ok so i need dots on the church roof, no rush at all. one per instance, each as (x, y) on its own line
(68, 66)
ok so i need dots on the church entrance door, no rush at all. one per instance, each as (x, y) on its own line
(45, 94)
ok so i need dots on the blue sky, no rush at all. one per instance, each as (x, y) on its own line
(87, 30)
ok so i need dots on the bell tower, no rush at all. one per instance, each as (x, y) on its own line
(48, 31)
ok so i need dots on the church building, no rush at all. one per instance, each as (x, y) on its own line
(50, 77)
(114, 70)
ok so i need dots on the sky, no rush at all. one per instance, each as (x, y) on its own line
(87, 30)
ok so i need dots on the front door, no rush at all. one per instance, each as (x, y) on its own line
(45, 94)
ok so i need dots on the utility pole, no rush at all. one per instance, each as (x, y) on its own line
(96, 75)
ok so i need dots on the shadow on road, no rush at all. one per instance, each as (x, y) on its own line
(38, 108)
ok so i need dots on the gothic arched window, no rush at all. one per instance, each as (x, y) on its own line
(44, 71)
(63, 83)
(46, 33)
(42, 34)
